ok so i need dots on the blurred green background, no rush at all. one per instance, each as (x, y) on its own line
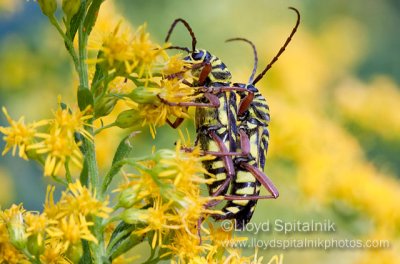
(334, 97)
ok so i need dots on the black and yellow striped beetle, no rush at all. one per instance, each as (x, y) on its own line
(253, 120)
(222, 127)
(215, 116)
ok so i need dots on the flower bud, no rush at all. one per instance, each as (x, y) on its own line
(48, 7)
(104, 106)
(163, 154)
(75, 252)
(16, 231)
(134, 215)
(127, 118)
(143, 95)
(35, 245)
(70, 8)
(128, 197)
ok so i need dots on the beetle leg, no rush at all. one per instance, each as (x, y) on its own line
(213, 102)
(245, 103)
(229, 197)
(244, 142)
(176, 123)
(204, 73)
(263, 179)
(244, 145)
(230, 170)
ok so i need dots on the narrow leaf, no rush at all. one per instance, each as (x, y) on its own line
(85, 98)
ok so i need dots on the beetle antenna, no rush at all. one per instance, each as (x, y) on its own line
(186, 24)
(261, 75)
(179, 48)
(255, 55)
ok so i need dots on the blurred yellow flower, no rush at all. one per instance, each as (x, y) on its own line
(9, 7)
(373, 106)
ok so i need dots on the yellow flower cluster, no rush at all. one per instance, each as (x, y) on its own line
(139, 72)
(55, 235)
(51, 141)
(131, 68)
(163, 198)
(169, 183)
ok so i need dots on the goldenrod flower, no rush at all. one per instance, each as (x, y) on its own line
(186, 167)
(277, 259)
(155, 115)
(19, 135)
(54, 253)
(235, 257)
(36, 225)
(71, 229)
(160, 220)
(9, 214)
(120, 85)
(128, 52)
(116, 50)
(72, 121)
(51, 209)
(140, 189)
(172, 90)
(10, 255)
(145, 52)
(79, 199)
(175, 64)
(184, 248)
(60, 147)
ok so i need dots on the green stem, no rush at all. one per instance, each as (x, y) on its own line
(68, 176)
(97, 131)
(98, 250)
(59, 180)
(67, 40)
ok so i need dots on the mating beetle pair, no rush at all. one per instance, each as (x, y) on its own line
(232, 124)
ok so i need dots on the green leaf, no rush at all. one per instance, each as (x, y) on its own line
(91, 16)
(75, 21)
(86, 257)
(85, 98)
(84, 177)
(98, 75)
(123, 239)
(124, 149)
